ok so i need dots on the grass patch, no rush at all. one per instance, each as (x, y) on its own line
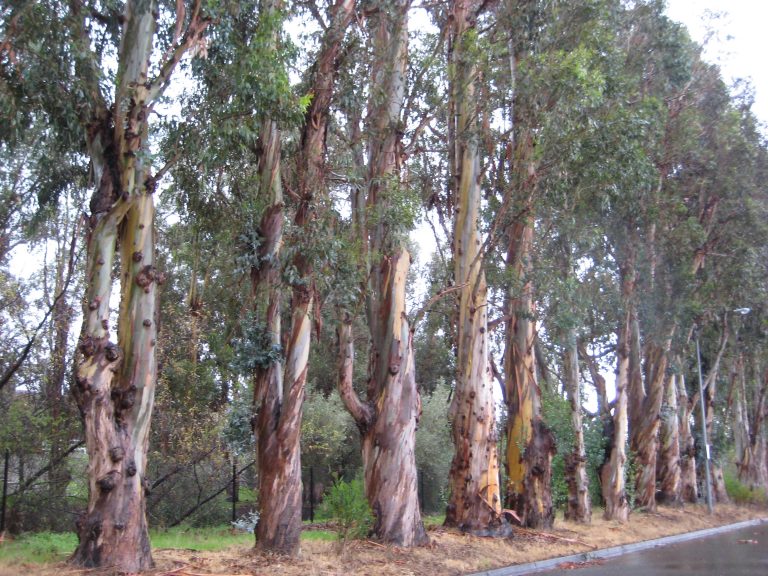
(433, 520)
(323, 535)
(53, 547)
(38, 548)
(209, 539)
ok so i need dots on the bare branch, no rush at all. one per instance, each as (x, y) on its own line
(424, 309)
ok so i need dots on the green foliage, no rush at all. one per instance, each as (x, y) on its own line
(631, 471)
(740, 493)
(237, 432)
(556, 411)
(346, 502)
(256, 347)
(326, 429)
(433, 449)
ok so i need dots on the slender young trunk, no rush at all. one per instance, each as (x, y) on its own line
(579, 508)
(475, 501)
(710, 394)
(61, 320)
(388, 418)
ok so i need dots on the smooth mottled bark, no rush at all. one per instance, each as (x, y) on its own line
(115, 383)
(612, 474)
(579, 507)
(475, 502)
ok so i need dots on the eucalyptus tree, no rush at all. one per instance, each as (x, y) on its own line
(279, 391)
(115, 382)
(556, 82)
(475, 498)
(388, 416)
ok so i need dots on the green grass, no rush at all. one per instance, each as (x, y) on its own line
(208, 539)
(45, 547)
(38, 548)
(433, 520)
(325, 535)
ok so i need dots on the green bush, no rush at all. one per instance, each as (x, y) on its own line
(346, 503)
(740, 493)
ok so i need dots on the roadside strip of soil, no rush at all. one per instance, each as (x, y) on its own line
(450, 552)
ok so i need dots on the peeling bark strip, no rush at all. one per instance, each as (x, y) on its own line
(115, 383)
(475, 502)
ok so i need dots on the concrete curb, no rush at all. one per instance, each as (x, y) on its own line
(549, 564)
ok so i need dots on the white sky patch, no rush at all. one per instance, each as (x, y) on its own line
(736, 40)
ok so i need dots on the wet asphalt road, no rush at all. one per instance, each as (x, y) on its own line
(740, 553)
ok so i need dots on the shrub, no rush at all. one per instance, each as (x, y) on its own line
(346, 503)
(740, 493)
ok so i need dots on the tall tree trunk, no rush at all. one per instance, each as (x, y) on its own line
(388, 418)
(522, 395)
(579, 508)
(688, 481)
(613, 474)
(669, 444)
(115, 383)
(279, 391)
(475, 501)
(710, 394)
(645, 419)
(752, 456)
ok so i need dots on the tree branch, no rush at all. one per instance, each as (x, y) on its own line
(431, 302)
(192, 35)
(359, 410)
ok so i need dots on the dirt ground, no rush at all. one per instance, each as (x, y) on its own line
(449, 552)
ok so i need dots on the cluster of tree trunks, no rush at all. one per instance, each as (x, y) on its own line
(279, 390)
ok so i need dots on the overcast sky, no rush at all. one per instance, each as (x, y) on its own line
(740, 45)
